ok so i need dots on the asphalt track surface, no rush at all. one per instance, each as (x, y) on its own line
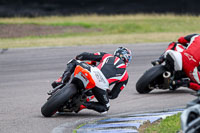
(26, 75)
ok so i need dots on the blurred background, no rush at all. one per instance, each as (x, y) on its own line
(10, 8)
(37, 23)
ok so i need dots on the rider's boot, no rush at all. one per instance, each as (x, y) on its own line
(56, 83)
(97, 107)
(194, 86)
(89, 98)
(64, 79)
(66, 75)
(80, 108)
(182, 82)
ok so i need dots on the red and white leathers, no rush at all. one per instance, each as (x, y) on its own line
(190, 58)
(176, 47)
(114, 70)
(107, 70)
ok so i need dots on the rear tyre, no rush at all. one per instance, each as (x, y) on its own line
(142, 85)
(58, 99)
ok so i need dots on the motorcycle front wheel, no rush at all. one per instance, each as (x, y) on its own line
(58, 99)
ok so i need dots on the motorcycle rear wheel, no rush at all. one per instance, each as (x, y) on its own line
(58, 99)
(143, 84)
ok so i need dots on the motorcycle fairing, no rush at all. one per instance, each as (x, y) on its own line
(99, 78)
(85, 76)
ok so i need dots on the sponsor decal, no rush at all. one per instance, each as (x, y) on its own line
(84, 76)
(99, 77)
(190, 57)
(118, 75)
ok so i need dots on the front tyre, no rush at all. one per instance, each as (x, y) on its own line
(142, 85)
(58, 99)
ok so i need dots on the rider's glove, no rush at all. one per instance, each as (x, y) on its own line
(158, 61)
(155, 62)
(81, 56)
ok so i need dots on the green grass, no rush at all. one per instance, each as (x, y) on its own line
(140, 23)
(171, 124)
(111, 29)
(74, 131)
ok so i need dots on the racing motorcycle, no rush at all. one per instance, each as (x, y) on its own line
(160, 76)
(70, 96)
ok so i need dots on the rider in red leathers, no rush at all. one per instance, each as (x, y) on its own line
(190, 59)
(113, 68)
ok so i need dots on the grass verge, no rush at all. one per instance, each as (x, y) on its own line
(171, 124)
(88, 40)
(113, 29)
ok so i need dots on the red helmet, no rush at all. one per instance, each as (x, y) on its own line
(124, 53)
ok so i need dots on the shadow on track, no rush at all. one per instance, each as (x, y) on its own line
(171, 92)
(181, 91)
(74, 115)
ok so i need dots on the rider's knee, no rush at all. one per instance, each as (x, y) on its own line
(173, 60)
(105, 108)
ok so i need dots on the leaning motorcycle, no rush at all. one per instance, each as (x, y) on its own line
(160, 76)
(69, 97)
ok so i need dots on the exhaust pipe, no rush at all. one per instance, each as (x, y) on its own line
(166, 76)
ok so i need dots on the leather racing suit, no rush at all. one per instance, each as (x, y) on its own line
(191, 59)
(114, 70)
(189, 49)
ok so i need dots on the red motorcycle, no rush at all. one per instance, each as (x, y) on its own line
(162, 75)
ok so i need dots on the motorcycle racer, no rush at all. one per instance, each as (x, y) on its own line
(113, 67)
(190, 59)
